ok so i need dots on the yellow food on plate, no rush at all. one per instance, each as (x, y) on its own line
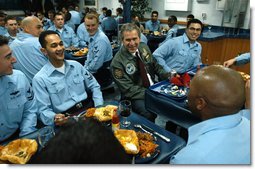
(129, 140)
(19, 151)
(156, 33)
(102, 113)
(245, 76)
(81, 52)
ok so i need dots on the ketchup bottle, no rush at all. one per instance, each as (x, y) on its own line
(115, 121)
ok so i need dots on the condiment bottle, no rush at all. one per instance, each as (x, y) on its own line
(115, 121)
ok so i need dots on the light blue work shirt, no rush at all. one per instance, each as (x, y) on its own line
(243, 59)
(56, 92)
(246, 113)
(46, 23)
(101, 17)
(221, 140)
(119, 19)
(109, 24)
(100, 51)
(70, 24)
(178, 54)
(83, 35)
(11, 38)
(68, 36)
(143, 38)
(171, 33)
(18, 109)
(30, 59)
(3, 30)
(75, 17)
(152, 26)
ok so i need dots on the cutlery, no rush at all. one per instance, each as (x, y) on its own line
(166, 139)
(140, 127)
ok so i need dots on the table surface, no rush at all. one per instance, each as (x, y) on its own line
(166, 149)
(171, 108)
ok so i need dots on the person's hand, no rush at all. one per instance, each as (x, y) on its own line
(247, 94)
(229, 63)
(60, 119)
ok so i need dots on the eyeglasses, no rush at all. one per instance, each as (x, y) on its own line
(194, 29)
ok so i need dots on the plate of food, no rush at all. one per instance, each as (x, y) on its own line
(102, 114)
(81, 52)
(129, 140)
(72, 49)
(177, 92)
(19, 151)
(149, 149)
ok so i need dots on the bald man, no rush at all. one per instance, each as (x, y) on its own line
(223, 137)
(26, 48)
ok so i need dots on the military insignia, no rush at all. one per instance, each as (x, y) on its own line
(14, 93)
(30, 94)
(146, 55)
(118, 73)
(130, 68)
(89, 76)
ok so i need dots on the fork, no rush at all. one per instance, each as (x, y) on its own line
(140, 127)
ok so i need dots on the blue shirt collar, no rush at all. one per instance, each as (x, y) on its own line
(50, 69)
(23, 35)
(213, 124)
(6, 80)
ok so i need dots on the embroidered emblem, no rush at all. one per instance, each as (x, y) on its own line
(130, 68)
(30, 94)
(118, 73)
(146, 55)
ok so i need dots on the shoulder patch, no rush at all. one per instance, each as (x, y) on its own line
(118, 73)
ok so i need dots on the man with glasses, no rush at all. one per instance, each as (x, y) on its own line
(183, 52)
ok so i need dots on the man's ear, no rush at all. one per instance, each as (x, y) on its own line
(43, 50)
(201, 103)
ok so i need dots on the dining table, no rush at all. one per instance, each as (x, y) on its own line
(154, 40)
(69, 55)
(165, 150)
(172, 108)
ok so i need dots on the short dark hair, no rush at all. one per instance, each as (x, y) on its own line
(43, 35)
(190, 16)
(154, 12)
(83, 142)
(68, 16)
(119, 10)
(9, 17)
(3, 40)
(108, 12)
(196, 21)
(104, 9)
(172, 17)
(58, 13)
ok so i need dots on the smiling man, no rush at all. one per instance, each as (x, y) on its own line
(183, 52)
(100, 50)
(17, 103)
(134, 69)
(62, 87)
